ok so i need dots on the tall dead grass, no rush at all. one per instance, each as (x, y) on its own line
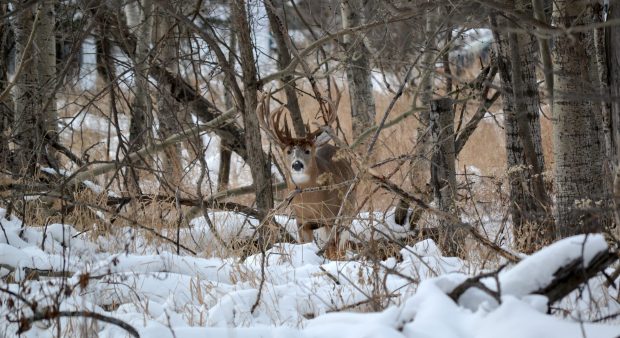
(484, 151)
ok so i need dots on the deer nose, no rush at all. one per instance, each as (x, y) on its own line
(297, 165)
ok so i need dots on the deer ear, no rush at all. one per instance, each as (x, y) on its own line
(321, 139)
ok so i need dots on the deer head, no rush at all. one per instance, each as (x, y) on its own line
(300, 153)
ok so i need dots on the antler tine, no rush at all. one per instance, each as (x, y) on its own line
(283, 136)
(333, 105)
(269, 124)
(262, 107)
(329, 112)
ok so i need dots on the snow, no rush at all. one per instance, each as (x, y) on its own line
(164, 294)
(540, 266)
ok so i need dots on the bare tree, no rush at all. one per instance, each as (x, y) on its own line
(579, 177)
(359, 76)
(443, 173)
(169, 112)
(421, 164)
(280, 34)
(223, 176)
(529, 206)
(259, 164)
(6, 111)
(140, 18)
(34, 92)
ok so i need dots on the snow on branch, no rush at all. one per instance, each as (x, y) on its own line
(553, 272)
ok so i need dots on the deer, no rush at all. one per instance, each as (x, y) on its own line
(311, 162)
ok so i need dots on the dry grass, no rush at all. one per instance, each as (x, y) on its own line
(485, 151)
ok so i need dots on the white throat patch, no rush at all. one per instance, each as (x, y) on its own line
(299, 178)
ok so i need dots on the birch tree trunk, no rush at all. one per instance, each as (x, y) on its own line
(578, 168)
(359, 76)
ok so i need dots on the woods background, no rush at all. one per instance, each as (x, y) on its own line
(497, 117)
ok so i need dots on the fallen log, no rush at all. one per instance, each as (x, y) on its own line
(553, 272)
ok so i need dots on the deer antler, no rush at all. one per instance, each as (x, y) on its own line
(270, 122)
(329, 113)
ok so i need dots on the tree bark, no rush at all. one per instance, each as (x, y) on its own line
(420, 168)
(259, 164)
(6, 114)
(359, 76)
(34, 86)
(578, 169)
(139, 18)
(529, 203)
(279, 30)
(168, 109)
(600, 78)
(443, 173)
(223, 173)
(612, 49)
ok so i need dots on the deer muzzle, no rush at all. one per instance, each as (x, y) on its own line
(297, 166)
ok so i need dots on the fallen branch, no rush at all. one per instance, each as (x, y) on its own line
(555, 285)
(572, 275)
(26, 323)
(35, 273)
(475, 282)
(212, 204)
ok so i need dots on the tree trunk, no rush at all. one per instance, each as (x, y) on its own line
(139, 18)
(167, 107)
(443, 174)
(35, 106)
(578, 169)
(279, 31)
(529, 204)
(6, 118)
(420, 168)
(600, 78)
(259, 164)
(223, 176)
(359, 77)
(612, 48)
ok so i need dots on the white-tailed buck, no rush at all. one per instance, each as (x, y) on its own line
(310, 162)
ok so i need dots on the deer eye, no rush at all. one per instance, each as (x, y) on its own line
(288, 152)
(307, 151)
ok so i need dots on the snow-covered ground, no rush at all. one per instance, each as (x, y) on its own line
(291, 292)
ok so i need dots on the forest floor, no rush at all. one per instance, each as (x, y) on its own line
(163, 291)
